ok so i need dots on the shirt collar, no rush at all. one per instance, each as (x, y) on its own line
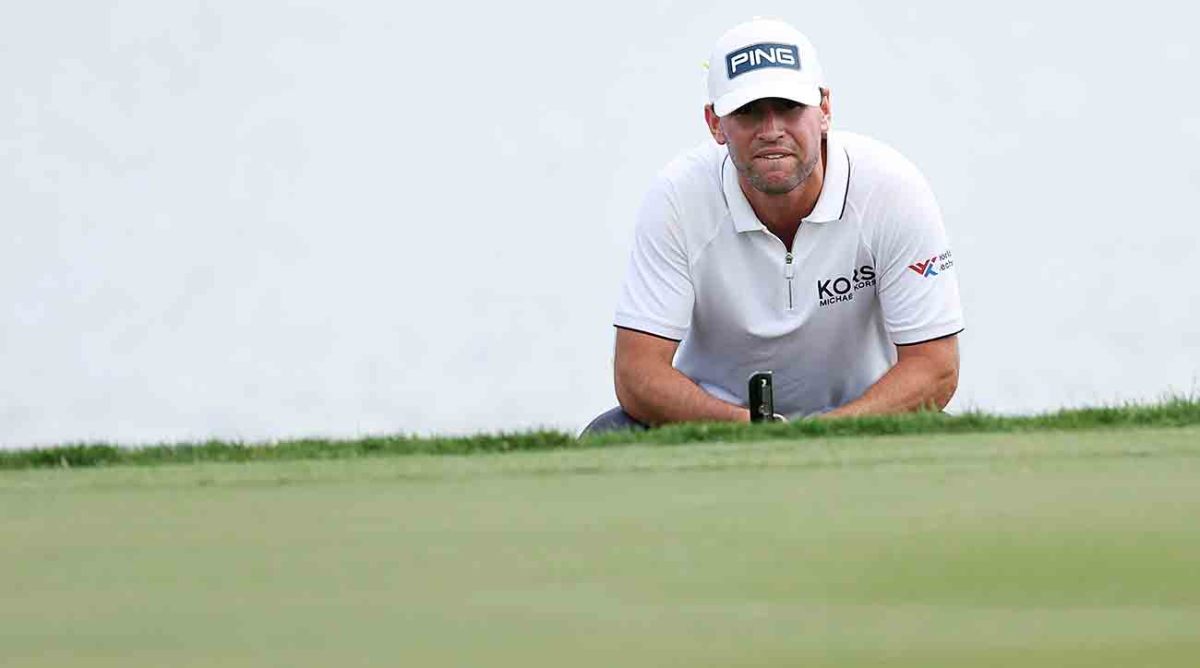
(831, 203)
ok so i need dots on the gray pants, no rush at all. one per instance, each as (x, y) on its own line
(612, 420)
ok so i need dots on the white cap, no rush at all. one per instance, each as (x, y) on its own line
(763, 58)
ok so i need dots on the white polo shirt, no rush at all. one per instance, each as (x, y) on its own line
(870, 268)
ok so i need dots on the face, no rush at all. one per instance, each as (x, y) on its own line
(774, 143)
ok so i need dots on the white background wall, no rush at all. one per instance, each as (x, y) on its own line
(268, 219)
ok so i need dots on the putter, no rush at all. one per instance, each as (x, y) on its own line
(762, 398)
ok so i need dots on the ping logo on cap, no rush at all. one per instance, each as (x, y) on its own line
(758, 56)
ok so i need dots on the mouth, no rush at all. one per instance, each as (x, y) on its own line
(772, 155)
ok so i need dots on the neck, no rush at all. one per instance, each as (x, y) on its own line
(782, 213)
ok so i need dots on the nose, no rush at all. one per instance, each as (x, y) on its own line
(771, 126)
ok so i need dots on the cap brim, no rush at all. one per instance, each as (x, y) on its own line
(809, 94)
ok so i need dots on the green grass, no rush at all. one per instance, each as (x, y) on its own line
(1173, 412)
(1026, 546)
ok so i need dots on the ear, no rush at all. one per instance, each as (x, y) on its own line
(714, 124)
(826, 111)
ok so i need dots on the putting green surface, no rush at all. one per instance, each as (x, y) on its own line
(1038, 549)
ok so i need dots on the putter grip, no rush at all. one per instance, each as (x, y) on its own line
(762, 397)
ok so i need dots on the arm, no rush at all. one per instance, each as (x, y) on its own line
(654, 392)
(925, 376)
(918, 298)
(653, 313)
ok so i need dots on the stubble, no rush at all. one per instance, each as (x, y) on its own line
(763, 182)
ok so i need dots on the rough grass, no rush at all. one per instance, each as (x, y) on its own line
(1173, 412)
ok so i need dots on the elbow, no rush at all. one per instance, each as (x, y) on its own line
(944, 387)
(634, 394)
(626, 395)
(634, 406)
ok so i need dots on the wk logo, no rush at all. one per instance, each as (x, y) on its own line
(925, 268)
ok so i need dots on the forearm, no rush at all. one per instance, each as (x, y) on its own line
(661, 395)
(911, 385)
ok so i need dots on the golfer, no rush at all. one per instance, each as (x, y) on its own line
(784, 246)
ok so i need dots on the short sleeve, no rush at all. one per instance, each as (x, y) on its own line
(918, 287)
(657, 296)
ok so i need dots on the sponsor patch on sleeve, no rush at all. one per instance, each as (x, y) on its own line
(933, 266)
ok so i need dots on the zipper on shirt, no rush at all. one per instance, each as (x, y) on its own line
(789, 272)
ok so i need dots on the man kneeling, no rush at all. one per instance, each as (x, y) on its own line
(783, 245)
